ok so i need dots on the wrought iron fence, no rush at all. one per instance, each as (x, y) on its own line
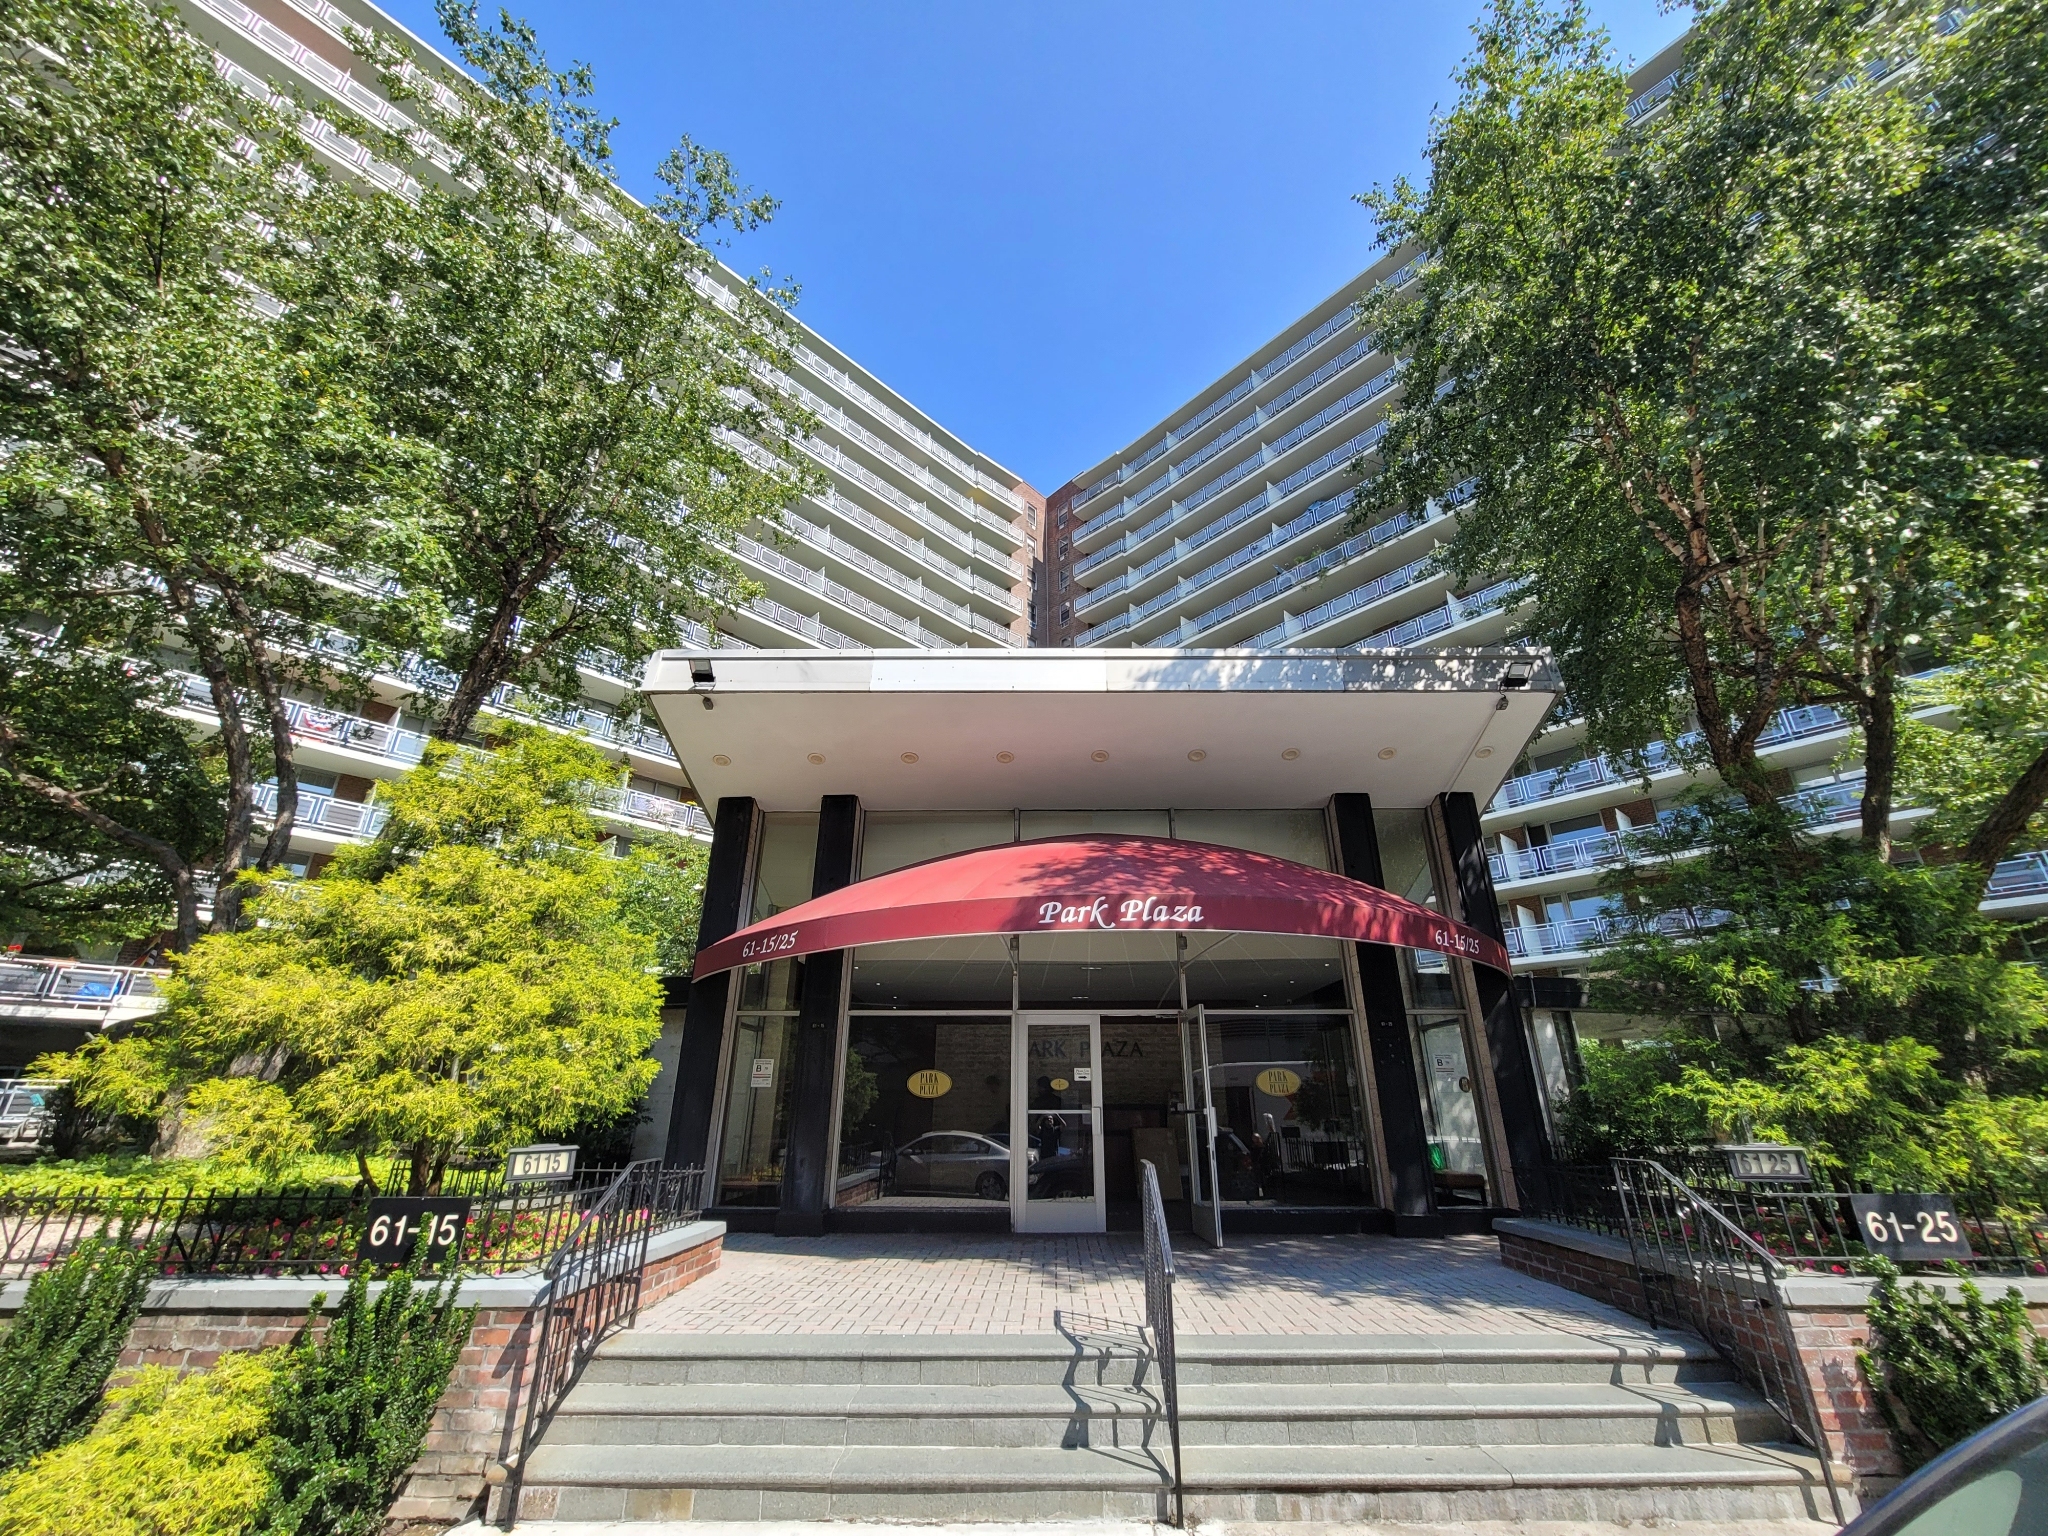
(1809, 1230)
(305, 1231)
(1159, 1319)
(1702, 1272)
(593, 1289)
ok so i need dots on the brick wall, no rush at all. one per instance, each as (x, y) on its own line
(1826, 1320)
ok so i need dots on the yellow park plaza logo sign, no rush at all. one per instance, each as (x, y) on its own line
(931, 1083)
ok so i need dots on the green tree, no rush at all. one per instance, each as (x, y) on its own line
(606, 422)
(464, 982)
(184, 423)
(1983, 771)
(1689, 364)
(1624, 1108)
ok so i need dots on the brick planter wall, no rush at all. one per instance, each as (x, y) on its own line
(190, 1324)
(1826, 1314)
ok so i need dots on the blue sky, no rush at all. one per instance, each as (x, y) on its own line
(1044, 223)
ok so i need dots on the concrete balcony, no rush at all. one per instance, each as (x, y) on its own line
(2019, 886)
(71, 993)
(888, 578)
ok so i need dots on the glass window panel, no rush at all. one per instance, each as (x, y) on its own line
(784, 867)
(1431, 982)
(774, 987)
(756, 1130)
(933, 973)
(924, 1117)
(1265, 970)
(1100, 970)
(1290, 1126)
(1073, 823)
(890, 840)
(1457, 1156)
(1297, 835)
(1404, 854)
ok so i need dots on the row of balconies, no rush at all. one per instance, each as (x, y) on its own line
(831, 545)
(1267, 371)
(773, 562)
(1268, 499)
(839, 462)
(1266, 453)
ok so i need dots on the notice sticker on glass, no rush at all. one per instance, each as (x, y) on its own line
(764, 1072)
(1084, 1074)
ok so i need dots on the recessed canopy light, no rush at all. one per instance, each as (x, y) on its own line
(815, 759)
(721, 759)
(910, 757)
(1386, 753)
(1098, 756)
(1484, 752)
(1006, 757)
(1197, 755)
(1290, 755)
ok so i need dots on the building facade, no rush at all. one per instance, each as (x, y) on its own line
(981, 934)
(1228, 523)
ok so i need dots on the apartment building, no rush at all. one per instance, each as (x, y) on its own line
(920, 541)
(1228, 524)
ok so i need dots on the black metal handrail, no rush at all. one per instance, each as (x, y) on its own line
(1159, 1318)
(1714, 1279)
(308, 1230)
(1803, 1229)
(591, 1288)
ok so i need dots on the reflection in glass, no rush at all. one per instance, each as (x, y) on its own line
(894, 839)
(784, 867)
(1265, 970)
(925, 1112)
(771, 988)
(1099, 970)
(1457, 1156)
(933, 973)
(1298, 835)
(1059, 1112)
(756, 1128)
(1035, 824)
(1289, 1125)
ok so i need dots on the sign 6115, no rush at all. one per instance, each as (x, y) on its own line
(398, 1223)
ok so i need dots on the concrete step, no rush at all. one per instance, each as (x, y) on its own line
(1312, 1413)
(1635, 1359)
(1606, 1483)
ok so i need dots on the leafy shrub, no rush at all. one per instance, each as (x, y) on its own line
(1943, 1372)
(65, 1342)
(354, 1405)
(1626, 1106)
(172, 1454)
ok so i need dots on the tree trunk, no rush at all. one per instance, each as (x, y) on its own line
(1879, 709)
(422, 1162)
(2006, 820)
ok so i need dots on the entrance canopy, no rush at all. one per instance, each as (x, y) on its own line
(1099, 883)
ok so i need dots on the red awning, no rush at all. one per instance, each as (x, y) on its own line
(1093, 884)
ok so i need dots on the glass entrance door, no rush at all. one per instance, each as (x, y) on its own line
(1056, 1153)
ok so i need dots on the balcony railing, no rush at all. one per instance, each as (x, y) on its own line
(832, 455)
(1272, 496)
(817, 581)
(1181, 433)
(828, 543)
(344, 818)
(1344, 603)
(1576, 935)
(1658, 758)
(2024, 875)
(1455, 611)
(812, 628)
(682, 816)
(69, 983)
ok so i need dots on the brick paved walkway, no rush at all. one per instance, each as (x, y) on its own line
(1308, 1285)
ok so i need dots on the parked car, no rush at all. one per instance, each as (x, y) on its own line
(26, 1118)
(1994, 1484)
(955, 1163)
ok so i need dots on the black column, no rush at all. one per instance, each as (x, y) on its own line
(696, 1089)
(807, 1161)
(1514, 1074)
(1386, 1026)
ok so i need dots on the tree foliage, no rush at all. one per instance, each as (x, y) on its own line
(183, 417)
(1981, 767)
(1713, 370)
(597, 397)
(467, 981)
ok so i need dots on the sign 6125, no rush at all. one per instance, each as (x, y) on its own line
(1910, 1226)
